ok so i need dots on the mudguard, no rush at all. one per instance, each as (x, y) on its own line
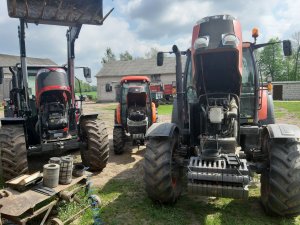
(283, 131)
(89, 116)
(161, 130)
(12, 121)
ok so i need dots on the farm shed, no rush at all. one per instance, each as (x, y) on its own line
(286, 90)
(108, 78)
(12, 60)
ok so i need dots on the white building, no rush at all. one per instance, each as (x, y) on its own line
(108, 78)
(12, 60)
(286, 90)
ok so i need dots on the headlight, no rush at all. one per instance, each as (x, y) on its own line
(230, 39)
(201, 42)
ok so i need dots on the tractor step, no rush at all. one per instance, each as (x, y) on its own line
(223, 177)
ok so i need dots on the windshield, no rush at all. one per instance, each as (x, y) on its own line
(248, 85)
(126, 86)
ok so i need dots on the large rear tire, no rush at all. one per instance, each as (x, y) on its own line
(280, 183)
(163, 176)
(119, 138)
(94, 133)
(13, 151)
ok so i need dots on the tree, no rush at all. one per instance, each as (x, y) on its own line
(151, 54)
(85, 87)
(126, 56)
(296, 48)
(271, 61)
(108, 56)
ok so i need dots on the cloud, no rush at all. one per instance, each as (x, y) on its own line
(174, 19)
(138, 25)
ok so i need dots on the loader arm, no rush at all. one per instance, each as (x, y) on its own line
(71, 13)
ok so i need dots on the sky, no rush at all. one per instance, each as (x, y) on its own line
(137, 26)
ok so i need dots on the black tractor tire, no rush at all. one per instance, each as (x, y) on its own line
(119, 139)
(94, 134)
(163, 177)
(13, 151)
(280, 183)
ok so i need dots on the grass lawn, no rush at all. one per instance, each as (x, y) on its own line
(125, 202)
(165, 109)
(282, 107)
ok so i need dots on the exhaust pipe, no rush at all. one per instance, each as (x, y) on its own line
(179, 86)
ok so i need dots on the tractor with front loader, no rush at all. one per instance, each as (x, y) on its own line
(134, 113)
(42, 115)
(222, 128)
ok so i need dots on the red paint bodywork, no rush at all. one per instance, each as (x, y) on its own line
(168, 89)
(263, 111)
(155, 88)
(237, 31)
(135, 78)
(50, 88)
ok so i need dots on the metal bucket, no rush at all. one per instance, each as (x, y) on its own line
(57, 12)
(66, 168)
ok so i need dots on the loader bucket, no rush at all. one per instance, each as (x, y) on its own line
(57, 12)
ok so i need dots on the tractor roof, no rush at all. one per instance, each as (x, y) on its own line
(135, 78)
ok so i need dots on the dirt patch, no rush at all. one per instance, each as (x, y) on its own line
(288, 118)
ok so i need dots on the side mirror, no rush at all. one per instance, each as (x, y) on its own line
(160, 59)
(287, 47)
(87, 74)
(1, 75)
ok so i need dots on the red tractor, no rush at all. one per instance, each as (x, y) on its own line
(42, 114)
(221, 105)
(135, 112)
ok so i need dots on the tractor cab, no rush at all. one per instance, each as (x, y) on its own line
(135, 112)
(135, 98)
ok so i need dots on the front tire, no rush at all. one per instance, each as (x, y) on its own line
(94, 134)
(280, 183)
(163, 176)
(119, 137)
(13, 151)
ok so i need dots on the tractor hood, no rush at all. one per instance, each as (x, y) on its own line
(51, 79)
(217, 54)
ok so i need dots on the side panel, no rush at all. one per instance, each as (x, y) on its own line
(161, 130)
(154, 113)
(263, 112)
(268, 116)
(118, 114)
